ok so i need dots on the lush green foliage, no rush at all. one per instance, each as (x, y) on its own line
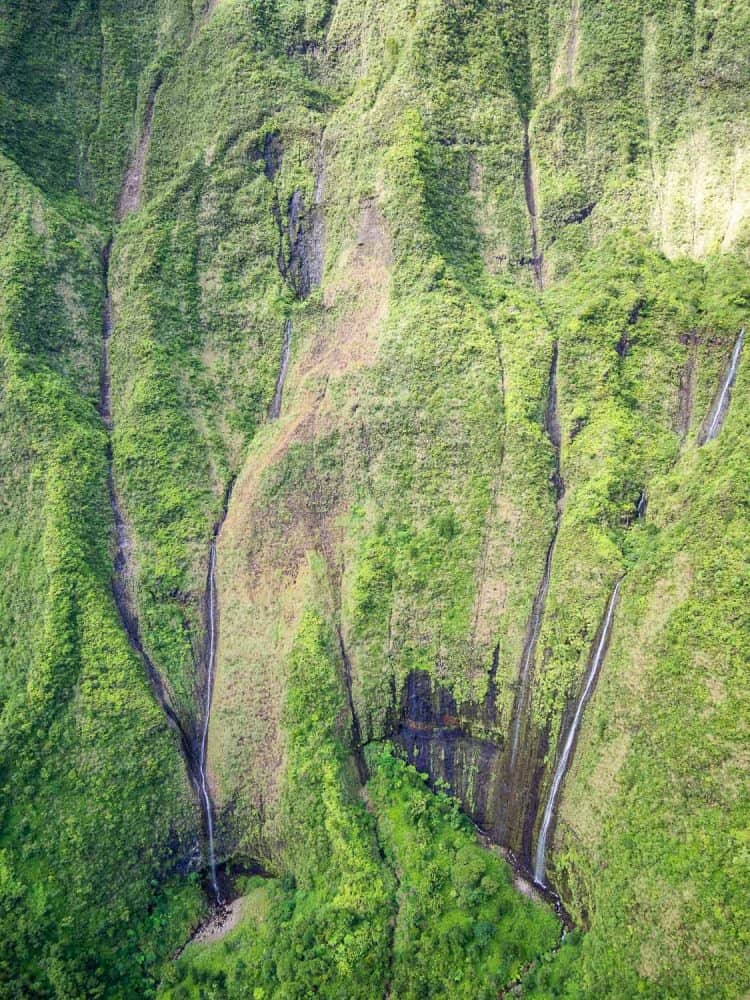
(668, 724)
(461, 929)
(94, 799)
(200, 311)
(397, 515)
(324, 929)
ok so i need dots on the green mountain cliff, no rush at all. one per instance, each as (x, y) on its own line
(351, 352)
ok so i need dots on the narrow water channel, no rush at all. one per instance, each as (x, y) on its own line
(274, 410)
(534, 626)
(195, 756)
(564, 759)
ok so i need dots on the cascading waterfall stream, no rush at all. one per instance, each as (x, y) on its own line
(564, 760)
(718, 411)
(275, 408)
(126, 609)
(529, 650)
(129, 201)
(203, 780)
(211, 605)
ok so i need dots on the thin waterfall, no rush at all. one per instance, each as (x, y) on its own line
(563, 762)
(640, 507)
(718, 411)
(129, 201)
(529, 650)
(275, 408)
(208, 805)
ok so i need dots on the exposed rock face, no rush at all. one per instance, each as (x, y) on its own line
(441, 744)
(303, 268)
(273, 152)
(459, 749)
(132, 184)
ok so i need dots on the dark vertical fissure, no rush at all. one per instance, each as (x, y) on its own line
(302, 269)
(105, 384)
(641, 505)
(211, 634)
(356, 729)
(523, 758)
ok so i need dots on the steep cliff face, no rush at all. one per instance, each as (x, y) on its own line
(448, 289)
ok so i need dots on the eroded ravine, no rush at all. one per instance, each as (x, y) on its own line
(564, 758)
(209, 683)
(122, 575)
(534, 626)
(132, 183)
(122, 578)
(211, 631)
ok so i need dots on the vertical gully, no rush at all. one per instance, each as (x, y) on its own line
(195, 757)
(274, 409)
(211, 612)
(123, 545)
(592, 673)
(207, 804)
(533, 629)
(356, 730)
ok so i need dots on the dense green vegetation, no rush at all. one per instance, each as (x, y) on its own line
(94, 802)
(440, 198)
(461, 929)
(670, 715)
